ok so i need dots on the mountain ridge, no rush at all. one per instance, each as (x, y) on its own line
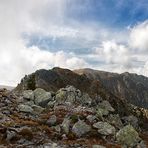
(126, 86)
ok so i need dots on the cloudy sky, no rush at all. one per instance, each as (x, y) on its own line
(110, 35)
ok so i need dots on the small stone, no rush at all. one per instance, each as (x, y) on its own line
(52, 120)
(91, 118)
(10, 135)
(54, 145)
(65, 125)
(51, 104)
(64, 137)
(25, 108)
(102, 112)
(106, 105)
(98, 146)
(80, 128)
(86, 100)
(24, 141)
(57, 128)
(6, 112)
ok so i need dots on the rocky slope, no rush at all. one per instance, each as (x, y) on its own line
(82, 108)
(69, 118)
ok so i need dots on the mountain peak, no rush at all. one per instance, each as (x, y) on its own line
(130, 87)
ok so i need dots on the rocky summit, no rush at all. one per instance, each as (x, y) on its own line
(130, 87)
(61, 109)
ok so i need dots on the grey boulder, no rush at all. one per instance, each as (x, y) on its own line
(65, 125)
(42, 97)
(104, 128)
(28, 94)
(128, 136)
(25, 108)
(80, 128)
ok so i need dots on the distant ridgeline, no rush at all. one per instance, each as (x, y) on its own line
(7, 87)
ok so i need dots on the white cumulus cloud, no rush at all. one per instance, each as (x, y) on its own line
(117, 51)
(115, 55)
(31, 16)
(139, 37)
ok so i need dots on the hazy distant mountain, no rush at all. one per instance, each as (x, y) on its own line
(7, 87)
(126, 86)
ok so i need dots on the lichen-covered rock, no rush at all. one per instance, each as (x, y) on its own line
(65, 125)
(61, 96)
(132, 120)
(42, 97)
(85, 100)
(37, 109)
(103, 109)
(69, 94)
(30, 103)
(106, 105)
(72, 95)
(80, 128)
(128, 136)
(25, 108)
(102, 112)
(104, 128)
(76, 91)
(91, 118)
(115, 120)
(28, 94)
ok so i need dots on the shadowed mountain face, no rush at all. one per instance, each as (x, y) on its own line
(111, 86)
(132, 87)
